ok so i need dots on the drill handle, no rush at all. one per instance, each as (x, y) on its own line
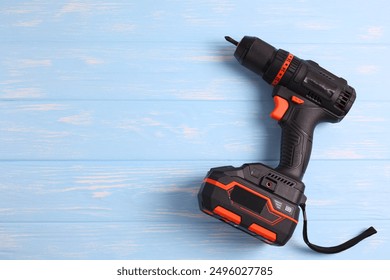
(297, 117)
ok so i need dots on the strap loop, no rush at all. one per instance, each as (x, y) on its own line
(335, 249)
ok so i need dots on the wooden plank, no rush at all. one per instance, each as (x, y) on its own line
(293, 21)
(188, 130)
(212, 240)
(166, 191)
(112, 70)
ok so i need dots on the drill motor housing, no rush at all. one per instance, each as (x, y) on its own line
(304, 77)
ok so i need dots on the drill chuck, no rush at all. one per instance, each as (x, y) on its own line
(254, 53)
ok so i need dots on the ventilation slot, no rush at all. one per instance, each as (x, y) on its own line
(313, 97)
(326, 76)
(343, 99)
(281, 179)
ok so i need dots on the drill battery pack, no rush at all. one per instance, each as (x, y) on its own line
(254, 198)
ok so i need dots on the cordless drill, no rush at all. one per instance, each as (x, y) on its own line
(265, 201)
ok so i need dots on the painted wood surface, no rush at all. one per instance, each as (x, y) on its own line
(112, 112)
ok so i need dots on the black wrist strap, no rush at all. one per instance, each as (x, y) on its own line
(335, 249)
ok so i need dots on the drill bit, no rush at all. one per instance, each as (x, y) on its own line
(231, 40)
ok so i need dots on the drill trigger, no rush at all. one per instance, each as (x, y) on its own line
(281, 107)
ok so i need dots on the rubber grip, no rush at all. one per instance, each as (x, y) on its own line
(298, 125)
(295, 150)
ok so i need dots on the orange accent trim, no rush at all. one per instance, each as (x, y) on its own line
(224, 213)
(281, 106)
(297, 100)
(234, 183)
(218, 184)
(283, 69)
(267, 234)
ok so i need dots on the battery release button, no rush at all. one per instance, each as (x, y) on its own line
(259, 230)
(228, 215)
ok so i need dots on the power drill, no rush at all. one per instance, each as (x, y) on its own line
(265, 201)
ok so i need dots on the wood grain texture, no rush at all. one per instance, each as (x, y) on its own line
(112, 112)
(176, 130)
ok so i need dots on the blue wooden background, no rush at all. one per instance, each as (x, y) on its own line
(112, 112)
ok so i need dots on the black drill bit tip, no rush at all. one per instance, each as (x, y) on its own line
(231, 40)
